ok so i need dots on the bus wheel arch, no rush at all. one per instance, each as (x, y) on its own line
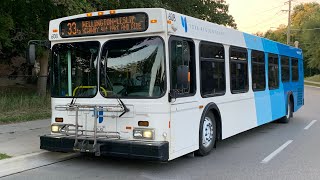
(289, 109)
(210, 110)
(292, 100)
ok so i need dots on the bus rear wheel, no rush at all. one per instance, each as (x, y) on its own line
(207, 134)
(289, 115)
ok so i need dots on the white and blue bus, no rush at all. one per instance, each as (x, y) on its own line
(156, 84)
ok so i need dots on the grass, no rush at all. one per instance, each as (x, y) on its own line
(312, 84)
(315, 78)
(22, 104)
(4, 156)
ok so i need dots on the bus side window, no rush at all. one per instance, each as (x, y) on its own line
(295, 69)
(212, 69)
(273, 71)
(239, 70)
(182, 67)
(258, 71)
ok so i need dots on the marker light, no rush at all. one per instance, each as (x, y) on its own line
(100, 13)
(154, 21)
(89, 14)
(112, 11)
(55, 30)
(169, 22)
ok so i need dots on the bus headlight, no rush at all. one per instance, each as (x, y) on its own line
(139, 133)
(56, 128)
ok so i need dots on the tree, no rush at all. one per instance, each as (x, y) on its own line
(279, 35)
(209, 10)
(305, 21)
(24, 20)
(311, 38)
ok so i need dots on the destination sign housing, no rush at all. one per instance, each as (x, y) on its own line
(102, 25)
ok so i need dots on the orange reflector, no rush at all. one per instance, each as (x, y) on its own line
(169, 22)
(169, 125)
(154, 21)
(189, 76)
(143, 123)
(100, 13)
(59, 119)
(112, 11)
(129, 127)
(89, 14)
(55, 30)
(201, 106)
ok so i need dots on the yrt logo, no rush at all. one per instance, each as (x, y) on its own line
(184, 23)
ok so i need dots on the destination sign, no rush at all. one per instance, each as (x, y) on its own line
(101, 25)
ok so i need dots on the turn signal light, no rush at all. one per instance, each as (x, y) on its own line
(58, 119)
(143, 123)
(55, 30)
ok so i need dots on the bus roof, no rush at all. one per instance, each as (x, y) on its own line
(185, 26)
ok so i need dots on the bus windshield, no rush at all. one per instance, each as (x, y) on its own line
(74, 72)
(133, 68)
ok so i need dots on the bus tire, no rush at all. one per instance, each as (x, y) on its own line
(289, 115)
(207, 134)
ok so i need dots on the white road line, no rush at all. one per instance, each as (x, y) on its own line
(310, 124)
(274, 153)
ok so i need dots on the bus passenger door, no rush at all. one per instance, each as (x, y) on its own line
(184, 133)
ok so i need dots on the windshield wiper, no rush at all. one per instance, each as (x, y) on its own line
(74, 98)
(108, 82)
(124, 107)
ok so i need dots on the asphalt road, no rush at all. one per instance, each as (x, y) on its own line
(273, 151)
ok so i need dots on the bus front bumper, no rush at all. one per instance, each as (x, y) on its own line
(148, 150)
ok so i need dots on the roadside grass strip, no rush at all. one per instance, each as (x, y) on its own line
(4, 156)
(311, 84)
(21, 104)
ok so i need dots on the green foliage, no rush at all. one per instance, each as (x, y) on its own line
(315, 78)
(4, 156)
(6, 25)
(303, 13)
(279, 35)
(305, 24)
(312, 39)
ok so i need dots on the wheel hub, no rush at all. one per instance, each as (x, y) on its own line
(207, 136)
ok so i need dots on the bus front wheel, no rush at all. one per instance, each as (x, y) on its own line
(207, 134)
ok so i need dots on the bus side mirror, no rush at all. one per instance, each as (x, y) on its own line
(31, 54)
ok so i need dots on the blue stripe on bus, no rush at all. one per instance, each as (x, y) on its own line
(253, 42)
(269, 103)
(100, 116)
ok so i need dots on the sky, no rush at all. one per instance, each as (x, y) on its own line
(253, 16)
